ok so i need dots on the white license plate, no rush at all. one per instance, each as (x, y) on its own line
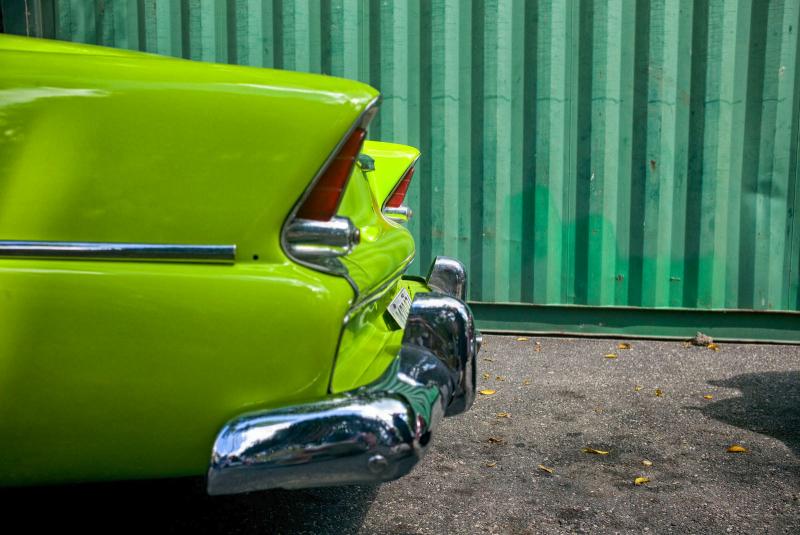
(400, 307)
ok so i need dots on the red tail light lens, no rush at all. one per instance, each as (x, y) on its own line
(399, 193)
(323, 200)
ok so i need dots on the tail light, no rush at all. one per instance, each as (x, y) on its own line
(324, 197)
(314, 235)
(399, 193)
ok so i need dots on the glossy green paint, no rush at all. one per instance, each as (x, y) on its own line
(386, 247)
(371, 332)
(126, 370)
(147, 149)
(392, 160)
(370, 340)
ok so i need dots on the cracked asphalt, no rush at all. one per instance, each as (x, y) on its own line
(482, 475)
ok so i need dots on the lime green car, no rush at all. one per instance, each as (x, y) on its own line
(202, 272)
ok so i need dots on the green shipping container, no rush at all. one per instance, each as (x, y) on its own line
(609, 166)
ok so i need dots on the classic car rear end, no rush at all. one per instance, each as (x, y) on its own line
(192, 261)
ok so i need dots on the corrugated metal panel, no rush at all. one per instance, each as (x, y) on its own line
(637, 153)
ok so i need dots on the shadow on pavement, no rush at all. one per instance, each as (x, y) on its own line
(178, 505)
(769, 404)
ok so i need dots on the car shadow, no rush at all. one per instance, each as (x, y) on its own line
(181, 505)
(769, 404)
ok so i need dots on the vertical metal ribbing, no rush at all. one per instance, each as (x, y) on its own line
(606, 152)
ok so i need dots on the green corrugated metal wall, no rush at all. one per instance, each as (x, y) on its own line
(609, 153)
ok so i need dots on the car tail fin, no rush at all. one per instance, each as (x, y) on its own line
(314, 235)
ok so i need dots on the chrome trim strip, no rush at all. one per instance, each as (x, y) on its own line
(135, 252)
(369, 435)
(402, 212)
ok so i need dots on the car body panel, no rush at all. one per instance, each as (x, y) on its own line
(126, 370)
(386, 247)
(123, 369)
(141, 148)
(392, 160)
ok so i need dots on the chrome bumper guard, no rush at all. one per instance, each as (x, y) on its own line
(375, 433)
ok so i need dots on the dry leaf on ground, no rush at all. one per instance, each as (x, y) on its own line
(637, 388)
(659, 392)
(594, 451)
(538, 347)
(701, 339)
(491, 464)
(522, 339)
(496, 440)
(623, 345)
(713, 347)
(647, 463)
(499, 378)
(486, 376)
(544, 468)
(487, 359)
(736, 448)
(708, 396)
(610, 355)
(526, 382)
(641, 481)
(488, 392)
(503, 415)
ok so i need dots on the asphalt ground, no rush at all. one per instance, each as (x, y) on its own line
(516, 462)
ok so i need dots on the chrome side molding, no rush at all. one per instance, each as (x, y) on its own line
(404, 213)
(448, 276)
(131, 252)
(312, 240)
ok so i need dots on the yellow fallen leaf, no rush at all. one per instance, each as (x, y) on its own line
(641, 481)
(504, 415)
(659, 393)
(712, 346)
(486, 375)
(499, 378)
(488, 392)
(610, 355)
(596, 452)
(736, 448)
(637, 388)
(491, 464)
(545, 469)
(526, 382)
(647, 463)
(522, 339)
(708, 396)
(623, 345)
(496, 440)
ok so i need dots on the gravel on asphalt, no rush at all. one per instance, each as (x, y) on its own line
(516, 463)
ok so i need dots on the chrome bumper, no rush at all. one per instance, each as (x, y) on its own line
(373, 434)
